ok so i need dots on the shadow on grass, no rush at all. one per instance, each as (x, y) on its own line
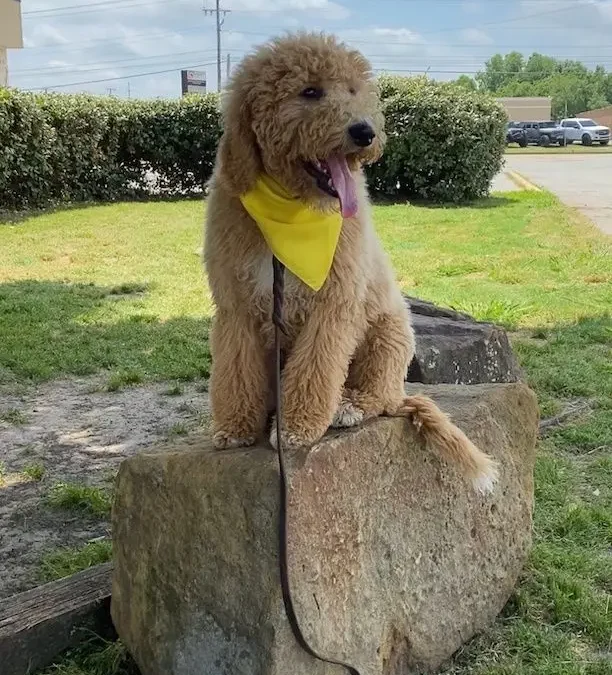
(570, 362)
(50, 329)
(484, 203)
(16, 216)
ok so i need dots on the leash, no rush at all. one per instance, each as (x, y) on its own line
(278, 288)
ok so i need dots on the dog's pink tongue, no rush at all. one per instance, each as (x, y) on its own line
(344, 183)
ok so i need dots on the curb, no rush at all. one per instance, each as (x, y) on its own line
(522, 182)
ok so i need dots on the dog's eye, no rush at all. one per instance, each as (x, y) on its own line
(312, 92)
(352, 90)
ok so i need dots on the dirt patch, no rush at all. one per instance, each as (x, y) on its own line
(78, 433)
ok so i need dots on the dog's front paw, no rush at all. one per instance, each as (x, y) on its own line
(223, 440)
(292, 439)
(347, 415)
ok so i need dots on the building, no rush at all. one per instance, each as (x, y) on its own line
(527, 108)
(10, 34)
(602, 116)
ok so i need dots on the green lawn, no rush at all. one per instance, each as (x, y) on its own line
(119, 290)
(574, 148)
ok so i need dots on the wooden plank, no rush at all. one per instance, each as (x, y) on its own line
(37, 625)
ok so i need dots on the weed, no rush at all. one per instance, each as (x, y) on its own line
(78, 497)
(63, 562)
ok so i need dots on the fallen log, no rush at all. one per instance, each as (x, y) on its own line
(37, 625)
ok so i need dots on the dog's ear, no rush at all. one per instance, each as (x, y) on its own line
(238, 157)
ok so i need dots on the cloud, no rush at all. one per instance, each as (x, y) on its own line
(43, 34)
(327, 8)
(471, 7)
(475, 36)
(399, 34)
(577, 21)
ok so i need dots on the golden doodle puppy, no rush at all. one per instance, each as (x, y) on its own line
(302, 114)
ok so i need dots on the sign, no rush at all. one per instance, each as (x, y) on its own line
(193, 82)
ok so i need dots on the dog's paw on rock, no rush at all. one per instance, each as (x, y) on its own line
(292, 440)
(347, 415)
(223, 440)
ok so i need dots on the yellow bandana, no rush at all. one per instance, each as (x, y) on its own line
(303, 239)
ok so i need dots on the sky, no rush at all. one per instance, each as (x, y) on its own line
(138, 47)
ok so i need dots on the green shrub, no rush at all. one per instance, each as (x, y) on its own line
(57, 148)
(445, 144)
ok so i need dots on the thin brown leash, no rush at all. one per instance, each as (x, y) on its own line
(278, 287)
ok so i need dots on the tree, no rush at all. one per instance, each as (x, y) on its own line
(539, 67)
(571, 85)
(492, 78)
(466, 82)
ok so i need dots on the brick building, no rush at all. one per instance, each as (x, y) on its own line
(602, 116)
(527, 108)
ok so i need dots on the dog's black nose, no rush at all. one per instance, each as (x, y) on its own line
(362, 134)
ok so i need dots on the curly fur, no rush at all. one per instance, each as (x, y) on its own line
(349, 345)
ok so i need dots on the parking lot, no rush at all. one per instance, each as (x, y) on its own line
(583, 181)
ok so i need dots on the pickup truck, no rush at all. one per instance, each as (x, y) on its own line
(543, 133)
(585, 130)
(515, 134)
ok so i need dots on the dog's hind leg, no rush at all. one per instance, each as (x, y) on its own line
(376, 387)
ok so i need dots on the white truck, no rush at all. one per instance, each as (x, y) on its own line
(585, 131)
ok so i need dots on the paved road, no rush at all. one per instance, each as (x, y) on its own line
(501, 183)
(581, 181)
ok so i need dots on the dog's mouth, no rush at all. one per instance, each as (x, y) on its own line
(334, 177)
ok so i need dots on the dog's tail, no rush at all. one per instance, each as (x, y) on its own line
(443, 437)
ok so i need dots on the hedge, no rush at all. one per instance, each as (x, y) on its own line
(58, 148)
(445, 144)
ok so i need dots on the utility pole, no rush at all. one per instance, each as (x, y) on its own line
(228, 68)
(218, 48)
(220, 16)
(129, 90)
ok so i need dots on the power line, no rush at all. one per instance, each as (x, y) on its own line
(70, 67)
(115, 5)
(168, 58)
(122, 77)
(92, 8)
(134, 37)
(59, 9)
(499, 22)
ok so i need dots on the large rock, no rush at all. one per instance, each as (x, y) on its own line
(394, 560)
(453, 348)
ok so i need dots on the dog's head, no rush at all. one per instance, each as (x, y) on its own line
(305, 110)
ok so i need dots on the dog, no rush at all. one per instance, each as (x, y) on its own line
(304, 109)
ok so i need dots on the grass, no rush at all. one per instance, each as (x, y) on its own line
(86, 499)
(34, 472)
(572, 149)
(66, 561)
(121, 380)
(177, 429)
(14, 417)
(78, 296)
(175, 389)
(96, 657)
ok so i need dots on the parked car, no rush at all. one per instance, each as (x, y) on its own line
(516, 134)
(586, 131)
(543, 133)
